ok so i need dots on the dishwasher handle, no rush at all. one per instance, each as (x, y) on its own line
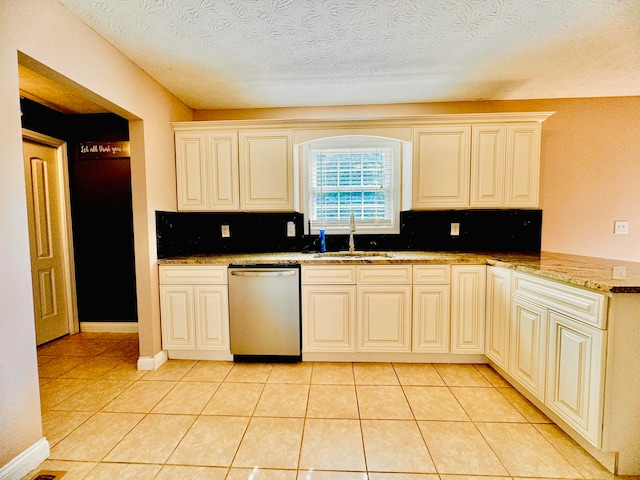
(263, 273)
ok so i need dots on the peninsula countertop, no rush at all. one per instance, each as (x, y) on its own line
(589, 272)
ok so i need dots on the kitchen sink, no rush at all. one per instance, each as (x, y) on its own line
(356, 254)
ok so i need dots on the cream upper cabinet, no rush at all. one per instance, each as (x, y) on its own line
(458, 161)
(266, 170)
(488, 165)
(522, 177)
(505, 164)
(223, 170)
(441, 166)
(467, 308)
(207, 171)
(477, 166)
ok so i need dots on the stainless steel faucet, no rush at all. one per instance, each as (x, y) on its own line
(352, 228)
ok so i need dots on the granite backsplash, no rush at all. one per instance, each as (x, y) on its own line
(187, 233)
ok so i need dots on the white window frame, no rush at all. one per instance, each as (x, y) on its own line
(356, 141)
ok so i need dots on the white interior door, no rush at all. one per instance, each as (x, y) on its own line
(47, 242)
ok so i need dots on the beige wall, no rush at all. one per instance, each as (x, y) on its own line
(48, 39)
(590, 173)
(590, 164)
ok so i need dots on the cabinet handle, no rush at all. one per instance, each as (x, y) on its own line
(287, 273)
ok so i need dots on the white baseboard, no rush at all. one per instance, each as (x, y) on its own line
(113, 327)
(28, 460)
(152, 363)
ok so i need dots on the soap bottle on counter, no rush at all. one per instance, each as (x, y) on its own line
(323, 243)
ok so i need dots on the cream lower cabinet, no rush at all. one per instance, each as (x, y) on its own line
(528, 345)
(468, 284)
(328, 308)
(498, 314)
(384, 308)
(178, 317)
(575, 377)
(431, 309)
(558, 350)
(356, 308)
(194, 309)
(328, 318)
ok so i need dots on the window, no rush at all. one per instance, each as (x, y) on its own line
(353, 174)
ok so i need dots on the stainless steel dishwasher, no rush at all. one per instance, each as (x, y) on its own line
(264, 312)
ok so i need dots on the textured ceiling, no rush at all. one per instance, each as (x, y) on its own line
(272, 53)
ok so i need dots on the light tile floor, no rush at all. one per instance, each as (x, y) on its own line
(309, 421)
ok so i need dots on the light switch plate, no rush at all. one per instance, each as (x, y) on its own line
(224, 231)
(291, 229)
(621, 227)
(455, 229)
(619, 273)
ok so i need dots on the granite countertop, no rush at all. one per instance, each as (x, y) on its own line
(590, 272)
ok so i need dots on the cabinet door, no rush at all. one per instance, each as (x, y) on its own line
(488, 149)
(191, 171)
(441, 166)
(528, 345)
(467, 308)
(177, 314)
(431, 319)
(384, 318)
(328, 318)
(266, 170)
(222, 171)
(498, 315)
(576, 375)
(523, 165)
(212, 317)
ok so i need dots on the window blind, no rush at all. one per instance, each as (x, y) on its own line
(351, 180)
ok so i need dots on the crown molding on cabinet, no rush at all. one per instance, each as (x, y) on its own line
(406, 121)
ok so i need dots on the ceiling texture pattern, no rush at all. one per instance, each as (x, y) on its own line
(281, 53)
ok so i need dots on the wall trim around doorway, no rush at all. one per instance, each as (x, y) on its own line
(109, 327)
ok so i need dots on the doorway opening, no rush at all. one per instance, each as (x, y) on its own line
(100, 215)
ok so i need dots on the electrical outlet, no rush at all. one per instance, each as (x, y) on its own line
(621, 227)
(619, 273)
(224, 231)
(291, 229)
(455, 229)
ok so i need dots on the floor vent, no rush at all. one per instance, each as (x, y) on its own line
(49, 475)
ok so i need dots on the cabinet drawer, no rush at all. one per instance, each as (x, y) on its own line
(192, 275)
(333, 274)
(384, 274)
(584, 305)
(431, 274)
